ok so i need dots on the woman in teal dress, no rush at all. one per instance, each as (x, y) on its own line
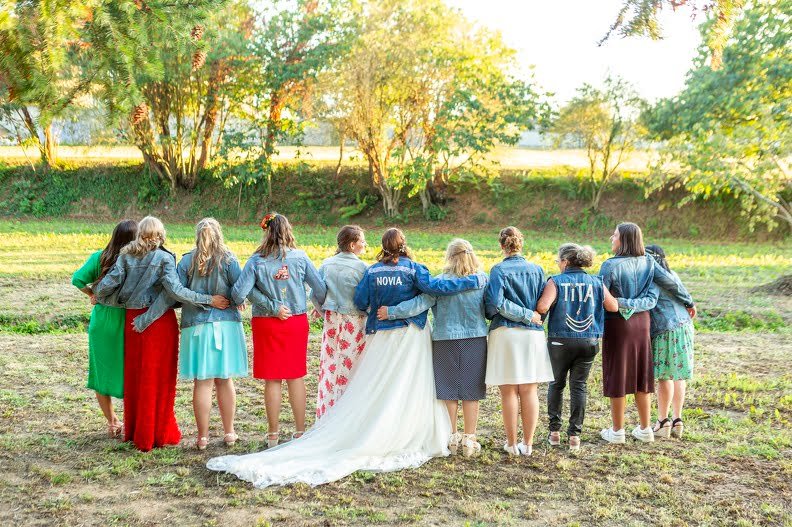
(106, 328)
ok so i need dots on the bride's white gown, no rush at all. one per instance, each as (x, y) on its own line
(388, 419)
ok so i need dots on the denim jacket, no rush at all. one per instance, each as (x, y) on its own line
(282, 282)
(341, 274)
(460, 316)
(578, 311)
(636, 282)
(521, 283)
(219, 281)
(136, 281)
(669, 313)
(389, 284)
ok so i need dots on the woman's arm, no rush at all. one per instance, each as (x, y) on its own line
(516, 313)
(172, 284)
(549, 296)
(315, 282)
(445, 286)
(493, 294)
(410, 308)
(609, 301)
(111, 282)
(672, 285)
(160, 306)
(362, 293)
(245, 282)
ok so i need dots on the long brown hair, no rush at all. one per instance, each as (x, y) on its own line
(394, 245)
(630, 240)
(348, 235)
(210, 248)
(123, 233)
(278, 236)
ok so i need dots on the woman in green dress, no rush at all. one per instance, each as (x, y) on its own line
(106, 328)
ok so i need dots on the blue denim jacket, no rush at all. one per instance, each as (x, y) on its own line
(293, 272)
(341, 274)
(518, 281)
(578, 311)
(135, 282)
(460, 316)
(219, 281)
(389, 284)
(669, 313)
(636, 281)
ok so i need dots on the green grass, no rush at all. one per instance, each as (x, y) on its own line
(732, 468)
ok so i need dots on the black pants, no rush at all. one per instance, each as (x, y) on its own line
(572, 357)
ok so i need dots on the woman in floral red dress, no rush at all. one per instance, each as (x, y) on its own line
(343, 338)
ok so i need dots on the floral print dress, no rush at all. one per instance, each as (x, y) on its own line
(343, 343)
(673, 354)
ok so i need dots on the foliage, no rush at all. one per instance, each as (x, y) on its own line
(729, 131)
(605, 123)
(640, 18)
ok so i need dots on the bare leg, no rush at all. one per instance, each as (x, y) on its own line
(665, 392)
(529, 408)
(453, 409)
(617, 412)
(226, 402)
(297, 401)
(678, 398)
(510, 409)
(202, 405)
(272, 401)
(643, 402)
(470, 411)
(106, 404)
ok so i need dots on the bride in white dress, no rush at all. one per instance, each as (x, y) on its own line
(388, 418)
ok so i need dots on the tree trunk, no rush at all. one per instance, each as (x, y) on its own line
(426, 199)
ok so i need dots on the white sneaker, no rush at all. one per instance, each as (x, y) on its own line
(612, 436)
(643, 434)
(512, 450)
(524, 450)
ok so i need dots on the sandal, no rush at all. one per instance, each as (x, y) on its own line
(470, 447)
(201, 443)
(298, 434)
(677, 427)
(453, 442)
(272, 439)
(230, 439)
(662, 428)
(114, 429)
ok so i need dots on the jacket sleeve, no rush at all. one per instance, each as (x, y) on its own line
(263, 302)
(172, 284)
(445, 286)
(160, 306)
(412, 307)
(672, 285)
(315, 282)
(644, 303)
(362, 293)
(111, 282)
(512, 311)
(314, 298)
(245, 283)
(493, 295)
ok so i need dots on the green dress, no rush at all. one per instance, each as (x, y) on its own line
(105, 337)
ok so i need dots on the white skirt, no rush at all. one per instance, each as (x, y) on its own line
(517, 356)
(388, 419)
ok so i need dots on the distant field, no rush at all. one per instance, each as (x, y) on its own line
(509, 158)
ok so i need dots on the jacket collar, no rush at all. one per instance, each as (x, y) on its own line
(573, 270)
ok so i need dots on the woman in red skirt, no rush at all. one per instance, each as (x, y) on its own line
(145, 271)
(274, 280)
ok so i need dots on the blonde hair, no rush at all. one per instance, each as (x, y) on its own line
(210, 248)
(511, 240)
(150, 236)
(576, 255)
(460, 260)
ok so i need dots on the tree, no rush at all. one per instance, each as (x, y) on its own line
(729, 130)
(640, 18)
(605, 122)
(424, 96)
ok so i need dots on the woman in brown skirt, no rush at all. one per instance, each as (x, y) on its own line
(627, 367)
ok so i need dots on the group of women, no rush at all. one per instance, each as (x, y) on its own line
(389, 388)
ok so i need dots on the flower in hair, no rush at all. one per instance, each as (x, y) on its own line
(265, 221)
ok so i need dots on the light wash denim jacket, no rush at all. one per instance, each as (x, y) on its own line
(389, 284)
(669, 313)
(516, 281)
(341, 274)
(219, 281)
(135, 282)
(460, 316)
(293, 271)
(636, 281)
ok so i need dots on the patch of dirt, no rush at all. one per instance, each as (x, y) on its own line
(780, 287)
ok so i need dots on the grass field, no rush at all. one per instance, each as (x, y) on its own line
(734, 466)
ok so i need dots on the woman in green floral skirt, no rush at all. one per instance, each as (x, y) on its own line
(106, 328)
(672, 350)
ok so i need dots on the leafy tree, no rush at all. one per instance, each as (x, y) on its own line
(605, 122)
(425, 96)
(729, 130)
(640, 18)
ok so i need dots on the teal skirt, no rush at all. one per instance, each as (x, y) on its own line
(215, 350)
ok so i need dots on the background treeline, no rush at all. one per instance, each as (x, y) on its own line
(207, 90)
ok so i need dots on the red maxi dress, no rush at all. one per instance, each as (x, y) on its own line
(150, 370)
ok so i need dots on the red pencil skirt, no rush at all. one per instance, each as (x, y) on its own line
(280, 347)
(150, 379)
